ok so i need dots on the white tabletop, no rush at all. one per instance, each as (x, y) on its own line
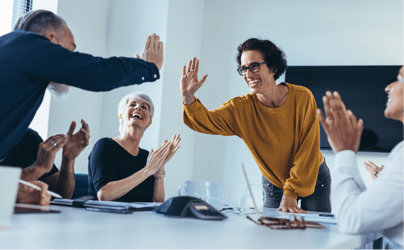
(78, 228)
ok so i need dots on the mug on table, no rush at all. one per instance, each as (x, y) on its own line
(212, 192)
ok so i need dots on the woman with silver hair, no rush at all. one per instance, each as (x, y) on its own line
(118, 169)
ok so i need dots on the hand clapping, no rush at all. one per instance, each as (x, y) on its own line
(157, 159)
(77, 142)
(342, 129)
(47, 151)
(373, 169)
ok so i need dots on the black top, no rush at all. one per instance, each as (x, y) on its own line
(108, 161)
(28, 62)
(25, 153)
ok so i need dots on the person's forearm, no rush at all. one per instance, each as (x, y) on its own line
(116, 189)
(32, 173)
(188, 99)
(65, 181)
(347, 188)
(158, 190)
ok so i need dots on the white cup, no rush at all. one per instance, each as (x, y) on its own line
(215, 194)
(192, 188)
(9, 177)
(246, 203)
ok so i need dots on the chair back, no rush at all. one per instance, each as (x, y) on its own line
(81, 187)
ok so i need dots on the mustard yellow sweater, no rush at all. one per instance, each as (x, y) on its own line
(284, 141)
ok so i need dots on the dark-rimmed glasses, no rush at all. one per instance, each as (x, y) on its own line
(254, 68)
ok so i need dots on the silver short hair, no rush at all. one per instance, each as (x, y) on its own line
(40, 22)
(124, 103)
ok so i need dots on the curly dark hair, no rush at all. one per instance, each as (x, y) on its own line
(273, 55)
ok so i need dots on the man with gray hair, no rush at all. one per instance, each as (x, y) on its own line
(39, 54)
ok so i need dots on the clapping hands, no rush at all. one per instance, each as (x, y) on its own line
(157, 159)
(342, 129)
(77, 142)
(373, 169)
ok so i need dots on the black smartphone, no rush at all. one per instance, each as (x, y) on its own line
(117, 210)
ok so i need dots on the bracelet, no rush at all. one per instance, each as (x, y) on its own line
(158, 176)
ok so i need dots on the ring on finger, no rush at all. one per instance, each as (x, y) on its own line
(53, 144)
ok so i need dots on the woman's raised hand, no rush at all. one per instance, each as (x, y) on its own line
(189, 81)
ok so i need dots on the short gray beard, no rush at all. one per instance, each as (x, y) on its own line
(59, 90)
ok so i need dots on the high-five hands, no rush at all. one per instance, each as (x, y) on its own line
(77, 142)
(342, 129)
(189, 81)
(153, 51)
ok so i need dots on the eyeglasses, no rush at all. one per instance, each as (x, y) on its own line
(294, 222)
(254, 68)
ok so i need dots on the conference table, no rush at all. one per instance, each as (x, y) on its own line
(79, 228)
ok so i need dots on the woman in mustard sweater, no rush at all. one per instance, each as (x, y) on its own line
(278, 123)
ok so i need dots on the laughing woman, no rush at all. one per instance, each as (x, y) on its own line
(118, 168)
(278, 123)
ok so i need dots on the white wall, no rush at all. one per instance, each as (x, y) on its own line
(311, 32)
(184, 36)
(87, 21)
(6, 16)
(127, 34)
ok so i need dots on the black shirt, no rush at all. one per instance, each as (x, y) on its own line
(28, 62)
(25, 153)
(108, 161)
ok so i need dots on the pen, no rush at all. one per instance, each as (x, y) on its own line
(39, 189)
